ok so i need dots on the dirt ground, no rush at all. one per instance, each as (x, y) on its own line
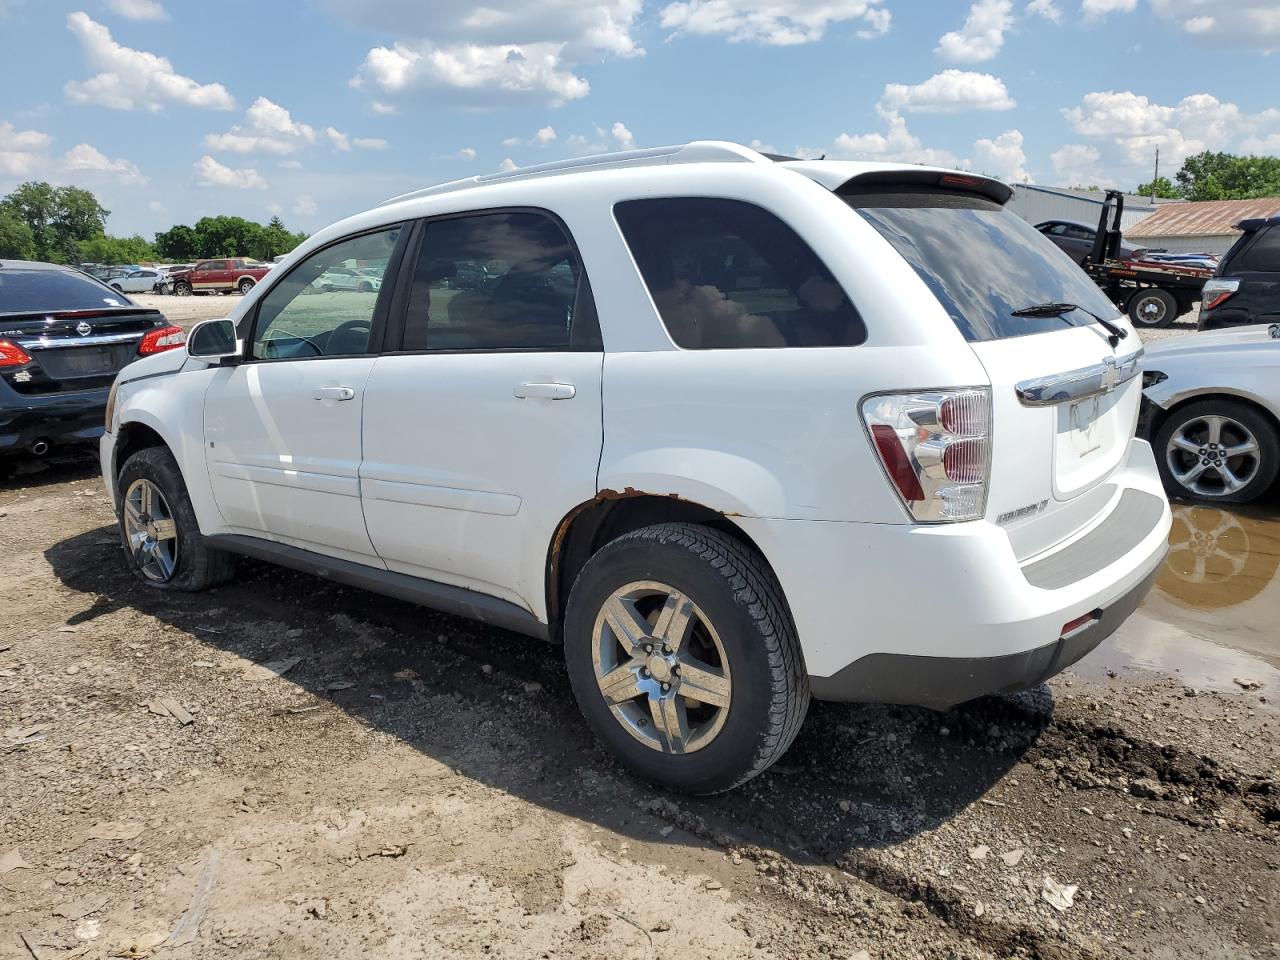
(285, 768)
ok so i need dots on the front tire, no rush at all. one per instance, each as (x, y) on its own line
(245, 286)
(1153, 307)
(684, 659)
(1218, 450)
(159, 530)
(182, 289)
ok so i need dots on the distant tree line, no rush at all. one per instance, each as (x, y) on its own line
(39, 221)
(1219, 176)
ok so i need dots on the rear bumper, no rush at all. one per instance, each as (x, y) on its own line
(53, 417)
(939, 614)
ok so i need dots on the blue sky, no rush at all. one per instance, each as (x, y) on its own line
(170, 110)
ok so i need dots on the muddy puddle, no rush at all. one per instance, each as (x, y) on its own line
(1214, 614)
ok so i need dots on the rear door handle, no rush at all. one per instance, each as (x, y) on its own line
(546, 391)
(333, 393)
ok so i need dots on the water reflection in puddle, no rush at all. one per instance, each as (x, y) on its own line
(1214, 614)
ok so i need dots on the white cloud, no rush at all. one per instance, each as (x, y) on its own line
(1076, 164)
(84, 157)
(138, 9)
(466, 153)
(339, 139)
(1253, 24)
(369, 143)
(20, 150)
(508, 165)
(772, 22)
(981, 36)
(1048, 9)
(267, 128)
(1002, 157)
(211, 173)
(289, 164)
(1096, 9)
(951, 91)
(544, 136)
(512, 142)
(155, 206)
(385, 109)
(305, 206)
(898, 144)
(134, 79)
(624, 138)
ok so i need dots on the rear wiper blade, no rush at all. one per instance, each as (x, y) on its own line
(1116, 334)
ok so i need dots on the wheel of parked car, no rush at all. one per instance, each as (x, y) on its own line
(245, 285)
(1218, 449)
(683, 657)
(158, 526)
(182, 289)
(117, 288)
(365, 286)
(1153, 307)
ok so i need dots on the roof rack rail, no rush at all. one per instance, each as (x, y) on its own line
(697, 151)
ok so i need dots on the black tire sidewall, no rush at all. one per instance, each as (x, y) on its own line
(1170, 304)
(723, 762)
(158, 465)
(1262, 429)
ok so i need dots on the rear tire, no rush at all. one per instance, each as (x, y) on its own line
(158, 527)
(117, 288)
(245, 286)
(1153, 307)
(1222, 477)
(738, 663)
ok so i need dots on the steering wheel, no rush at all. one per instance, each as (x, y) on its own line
(351, 326)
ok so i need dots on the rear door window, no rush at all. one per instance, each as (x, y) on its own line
(725, 274)
(1263, 254)
(982, 262)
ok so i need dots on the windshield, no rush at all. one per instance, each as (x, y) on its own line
(25, 291)
(983, 262)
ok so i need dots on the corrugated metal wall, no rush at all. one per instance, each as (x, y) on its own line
(1215, 244)
(1036, 206)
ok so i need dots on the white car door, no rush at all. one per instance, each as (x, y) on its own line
(282, 428)
(482, 429)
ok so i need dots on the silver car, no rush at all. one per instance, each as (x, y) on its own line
(139, 281)
(1212, 411)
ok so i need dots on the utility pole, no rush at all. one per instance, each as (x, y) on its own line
(1155, 176)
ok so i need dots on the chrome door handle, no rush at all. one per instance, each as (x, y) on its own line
(333, 393)
(545, 391)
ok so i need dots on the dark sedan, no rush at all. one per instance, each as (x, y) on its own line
(1076, 239)
(63, 337)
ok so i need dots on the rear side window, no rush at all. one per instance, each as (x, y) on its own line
(24, 290)
(725, 274)
(982, 262)
(499, 281)
(1263, 254)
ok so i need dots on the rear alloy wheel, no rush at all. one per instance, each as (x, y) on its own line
(683, 657)
(182, 289)
(245, 286)
(1153, 308)
(117, 288)
(159, 530)
(1218, 450)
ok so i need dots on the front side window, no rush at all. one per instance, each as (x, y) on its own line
(725, 274)
(498, 281)
(305, 315)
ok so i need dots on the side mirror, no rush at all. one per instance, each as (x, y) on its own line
(213, 341)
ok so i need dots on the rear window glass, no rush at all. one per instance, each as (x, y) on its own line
(26, 290)
(1264, 253)
(725, 274)
(983, 262)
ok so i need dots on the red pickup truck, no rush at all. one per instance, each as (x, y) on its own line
(217, 276)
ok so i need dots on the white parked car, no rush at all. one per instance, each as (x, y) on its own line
(1213, 412)
(145, 280)
(733, 432)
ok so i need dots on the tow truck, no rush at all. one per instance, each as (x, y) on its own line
(1153, 293)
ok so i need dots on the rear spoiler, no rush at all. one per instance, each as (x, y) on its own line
(928, 181)
(1257, 223)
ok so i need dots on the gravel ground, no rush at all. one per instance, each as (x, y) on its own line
(187, 311)
(284, 768)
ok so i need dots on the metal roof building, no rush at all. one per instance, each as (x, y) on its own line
(1207, 226)
(1036, 204)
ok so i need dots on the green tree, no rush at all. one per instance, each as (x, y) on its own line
(225, 236)
(16, 239)
(178, 244)
(1225, 176)
(59, 218)
(1164, 187)
(105, 249)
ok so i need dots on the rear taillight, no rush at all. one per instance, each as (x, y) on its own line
(1217, 292)
(12, 355)
(935, 446)
(162, 339)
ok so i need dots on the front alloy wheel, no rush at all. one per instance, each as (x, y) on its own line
(150, 529)
(1218, 449)
(661, 667)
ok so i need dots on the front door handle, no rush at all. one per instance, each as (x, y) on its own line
(334, 393)
(546, 391)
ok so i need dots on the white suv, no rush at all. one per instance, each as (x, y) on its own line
(734, 430)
